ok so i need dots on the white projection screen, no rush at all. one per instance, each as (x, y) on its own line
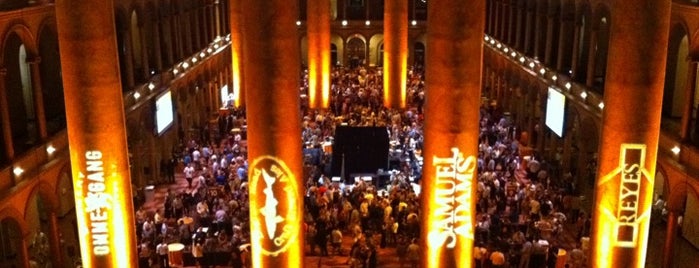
(555, 111)
(163, 112)
(224, 96)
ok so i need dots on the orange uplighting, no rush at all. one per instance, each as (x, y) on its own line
(395, 56)
(631, 123)
(103, 203)
(237, 83)
(623, 203)
(451, 219)
(318, 24)
(451, 132)
(326, 76)
(274, 141)
(96, 134)
(312, 80)
(275, 213)
(623, 206)
(235, 21)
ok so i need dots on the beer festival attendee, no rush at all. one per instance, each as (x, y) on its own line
(518, 199)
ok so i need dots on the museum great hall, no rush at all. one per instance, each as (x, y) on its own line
(73, 155)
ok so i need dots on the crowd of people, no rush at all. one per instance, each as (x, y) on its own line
(521, 206)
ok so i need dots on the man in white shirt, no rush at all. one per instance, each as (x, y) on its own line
(196, 155)
(162, 251)
(189, 174)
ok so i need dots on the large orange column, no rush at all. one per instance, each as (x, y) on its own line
(395, 56)
(96, 133)
(235, 20)
(454, 60)
(54, 240)
(670, 234)
(629, 141)
(274, 132)
(318, 27)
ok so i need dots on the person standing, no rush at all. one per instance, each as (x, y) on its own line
(321, 237)
(526, 255)
(414, 253)
(162, 251)
(171, 166)
(198, 253)
(336, 240)
(144, 254)
(189, 174)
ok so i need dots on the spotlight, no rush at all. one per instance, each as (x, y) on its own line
(344, 22)
(136, 95)
(18, 171)
(50, 149)
(567, 85)
(675, 150)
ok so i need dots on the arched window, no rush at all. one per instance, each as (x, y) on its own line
(20, 97)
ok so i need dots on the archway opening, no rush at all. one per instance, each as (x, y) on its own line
(36, 217)
(333, 54)
(10, 243)
(676, 68)
(20, 96)
(356, 51)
